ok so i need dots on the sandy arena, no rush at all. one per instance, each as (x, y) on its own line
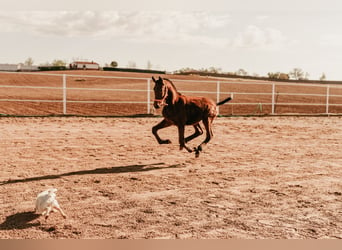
(259, 178)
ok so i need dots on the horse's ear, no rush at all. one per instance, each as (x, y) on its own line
(153, 79)
(160, 78)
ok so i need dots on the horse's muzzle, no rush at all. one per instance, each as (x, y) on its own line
(157, 104)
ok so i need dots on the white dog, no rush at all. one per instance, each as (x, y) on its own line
(46, 202)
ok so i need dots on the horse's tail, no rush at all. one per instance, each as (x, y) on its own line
(224, 101)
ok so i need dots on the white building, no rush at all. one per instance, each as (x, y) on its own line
(8, 67)
(85, 65)
(18, 67)
(22, 67)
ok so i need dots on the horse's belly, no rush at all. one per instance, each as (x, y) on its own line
(195, 114)
(192, 122)
(194, 117)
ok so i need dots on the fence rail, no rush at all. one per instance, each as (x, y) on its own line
(256, 95)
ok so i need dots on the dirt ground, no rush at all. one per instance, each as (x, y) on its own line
(259, 178)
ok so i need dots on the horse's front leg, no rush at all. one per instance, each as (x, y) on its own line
(163, 124)
(181, 129)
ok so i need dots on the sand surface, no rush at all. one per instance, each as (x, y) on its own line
(268, 178)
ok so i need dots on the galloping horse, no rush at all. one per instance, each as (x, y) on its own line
(181, 110)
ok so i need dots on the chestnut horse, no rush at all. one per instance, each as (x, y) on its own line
(181, 110)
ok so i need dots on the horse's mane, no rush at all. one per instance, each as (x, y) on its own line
(172, 84)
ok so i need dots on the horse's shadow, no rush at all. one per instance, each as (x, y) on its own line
(21, 220)
(112, 170)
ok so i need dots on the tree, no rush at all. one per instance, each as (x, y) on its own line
(323, 77)
(185, 70)
(278, 75)
(132, 65)
(149, 65)
(57, 62)
(114, 64)
(306, 77)
(214, 70)
(297, 74)
(29, 61)
(241, 72)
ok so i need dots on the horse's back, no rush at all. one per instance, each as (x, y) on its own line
(197, 108)
(203, 103)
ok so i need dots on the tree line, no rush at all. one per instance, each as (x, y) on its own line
(294, 74)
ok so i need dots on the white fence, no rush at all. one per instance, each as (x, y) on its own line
(261, 97)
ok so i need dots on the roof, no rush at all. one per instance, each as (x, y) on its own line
(79, 62)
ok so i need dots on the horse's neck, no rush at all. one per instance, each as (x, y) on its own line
(173, 95)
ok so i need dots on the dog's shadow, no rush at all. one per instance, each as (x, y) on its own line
(21, 220)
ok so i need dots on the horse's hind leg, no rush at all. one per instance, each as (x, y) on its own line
(209, 134)
(198, 132)
(163, 124)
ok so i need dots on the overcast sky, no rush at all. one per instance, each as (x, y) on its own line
(257, 36)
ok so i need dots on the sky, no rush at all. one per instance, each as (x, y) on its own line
(259, 36)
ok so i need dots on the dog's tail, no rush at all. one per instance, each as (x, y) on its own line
(224, 101)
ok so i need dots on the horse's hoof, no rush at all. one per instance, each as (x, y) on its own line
(187, 149)
(165, 142)
(197, 151)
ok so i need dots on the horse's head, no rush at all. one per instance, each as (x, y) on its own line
(160, 92)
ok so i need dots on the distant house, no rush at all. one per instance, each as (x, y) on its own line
(85, 65)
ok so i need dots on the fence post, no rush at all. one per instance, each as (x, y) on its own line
(148, 96)
(218, 95)
(327, 98)
(64, 95)
(273, 98)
